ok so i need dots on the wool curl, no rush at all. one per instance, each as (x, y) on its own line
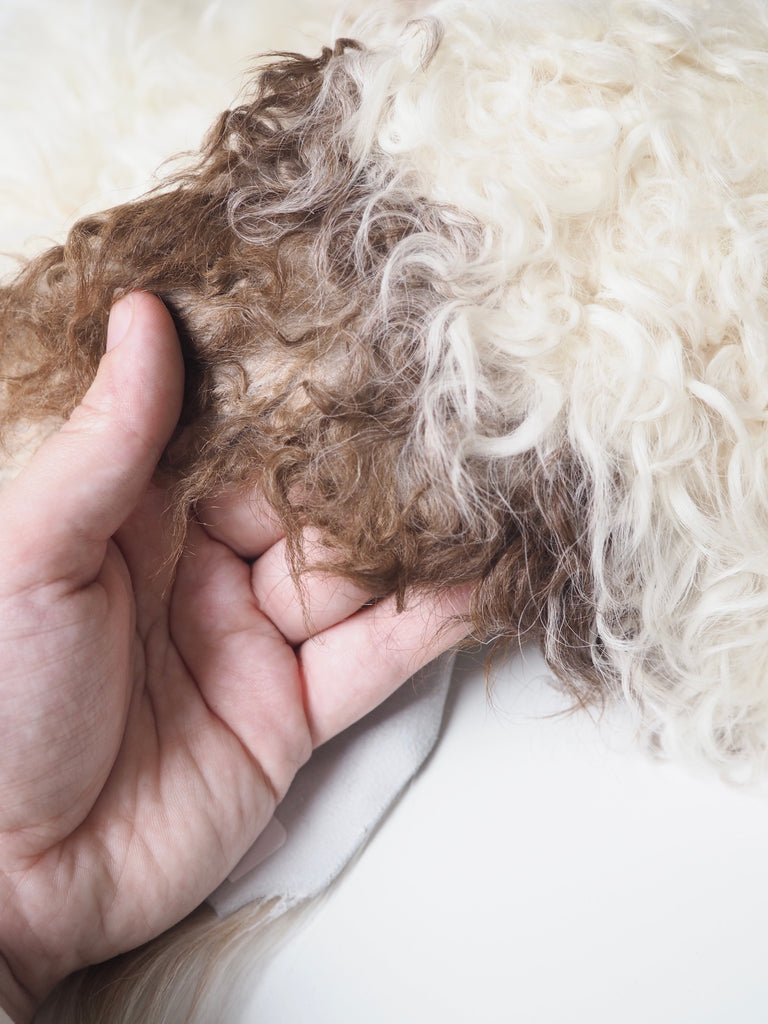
(482, 301)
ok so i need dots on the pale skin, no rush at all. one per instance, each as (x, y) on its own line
(151, 718)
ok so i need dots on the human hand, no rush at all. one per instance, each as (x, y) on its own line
(153, 718)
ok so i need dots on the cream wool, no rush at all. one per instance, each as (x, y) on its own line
(517, 328)
(614, 155)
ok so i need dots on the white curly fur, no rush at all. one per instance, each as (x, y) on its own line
(614, 155)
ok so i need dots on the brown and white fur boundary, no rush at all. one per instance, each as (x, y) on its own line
(485, 300)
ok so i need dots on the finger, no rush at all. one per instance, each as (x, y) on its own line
(352, 667)
(245, 671)
(245, 522)
(84, 481)
(320, 599)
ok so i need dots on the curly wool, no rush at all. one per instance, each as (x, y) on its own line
(613, 154)
(613, 319)
(483, 300)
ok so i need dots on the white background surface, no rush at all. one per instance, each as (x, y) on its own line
(540, 870)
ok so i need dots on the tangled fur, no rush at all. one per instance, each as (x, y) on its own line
(481, 300)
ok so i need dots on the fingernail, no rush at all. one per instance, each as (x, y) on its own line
(120, 318)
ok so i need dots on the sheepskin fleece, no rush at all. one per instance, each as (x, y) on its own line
(586, 183)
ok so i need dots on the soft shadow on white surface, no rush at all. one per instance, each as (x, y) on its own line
(540, 870)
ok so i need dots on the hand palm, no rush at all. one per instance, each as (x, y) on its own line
(165, 782)
(153, 717)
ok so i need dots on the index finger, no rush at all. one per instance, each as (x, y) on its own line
(350, 668)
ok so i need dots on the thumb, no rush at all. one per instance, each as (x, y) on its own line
(86, 479)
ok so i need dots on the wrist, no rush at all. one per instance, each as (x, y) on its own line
(16, 1003)
(27, 972)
